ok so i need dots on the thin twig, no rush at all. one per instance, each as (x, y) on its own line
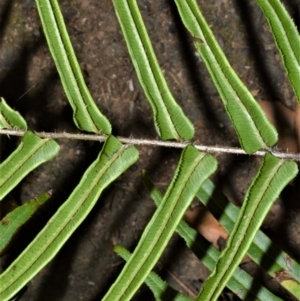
(130, 140)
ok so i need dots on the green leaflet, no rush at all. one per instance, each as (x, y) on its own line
(86, 114)
(262, 250)
(169, 119)
(11, 223)
(9, 118)
(113, 160)
(253, 128)
(32, 152)
(287, 39)
(240, 283)
(194, 167)
(292, 286)
(273, 175)
(155, 283)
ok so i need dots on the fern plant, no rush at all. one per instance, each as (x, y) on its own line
(191, 178)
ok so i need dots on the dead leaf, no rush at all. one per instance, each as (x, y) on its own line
(205, 223)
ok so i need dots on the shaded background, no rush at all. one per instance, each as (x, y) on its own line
(86, 266)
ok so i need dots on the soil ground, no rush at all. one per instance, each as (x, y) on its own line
(86, 266)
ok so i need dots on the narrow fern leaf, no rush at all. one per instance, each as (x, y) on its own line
(194, 167)
(262, 250)
(240, 283)
(252, 126)
(287, 39)
(12, 222)
(9, 118)
(86, 114)
(32, 152)
(112, 161)
(169, 119)
(155, 283)
(273, 175)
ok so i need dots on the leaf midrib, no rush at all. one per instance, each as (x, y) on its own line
(148, 61)
(237, 246)
(65, 77)
(25, 158)
(45, 247)
(166, 221)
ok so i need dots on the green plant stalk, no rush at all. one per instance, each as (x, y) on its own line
(252, 126)
(32, 152)
(287, 39)
(169, 119)
(86, 114)
(9, 118)
(113, 160)
(194, 167)
(240, 283)
(273, 175)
